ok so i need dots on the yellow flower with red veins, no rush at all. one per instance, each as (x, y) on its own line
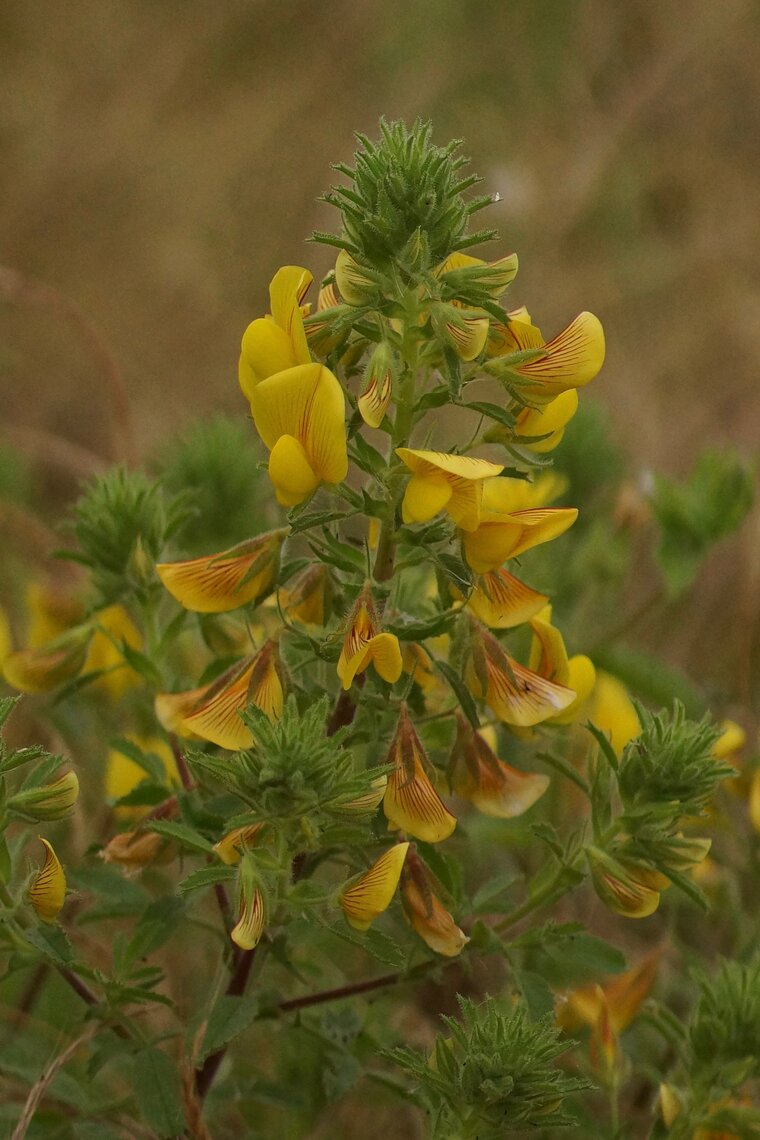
(548, 657)
(427, 915)
(492, 786)
(502, 601)
(47, 891)
(364, 644)
(570, 360)
(439, 481)
(611, 709)
(541, 429)
(221, 582)
(300, 414)
(368, 895)
(278, 341)
(506, 529)
(516, 695)
(411, 803)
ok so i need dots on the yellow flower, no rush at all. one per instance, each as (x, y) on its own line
(497, 275)
(501, 601)
(42, 669)
(570, 360)
(444, 482)
(355, 281)
(231, 846)
(368, 895)
(114, 625)
(730, 742)
(548, 657)
(411, 803)
(623, 994)
(464, 330)
(300, 415)
(427, 916)
(250, 926)
(123, 774)
(220, 582)
(506, 530)
(215, 717)
(47, 890)
(49, 801)
(307, 599)
(378, 386)
(50, 612)
(134, 850)
(629, 888)
(363, 644)
(278, 341)
(517, 695)
(550, 421)
(6, 641)
(493, 787)
(611, 709)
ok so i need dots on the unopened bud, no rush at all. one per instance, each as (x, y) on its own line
(48, 802)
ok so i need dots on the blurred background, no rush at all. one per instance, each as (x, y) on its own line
(161, 160)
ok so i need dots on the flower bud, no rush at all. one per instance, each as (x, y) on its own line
(250, 926)
(378, 385)
(356, 283)
(463, 330)
(230, 846)
(621, 886)
(368, 895)
(47, 890)
(40, 670)
(435, 926)
(48, 802)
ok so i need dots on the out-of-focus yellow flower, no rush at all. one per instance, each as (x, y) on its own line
(623, 994)
(114, 625)
(506, 530)
(548, 657)
(47, 891)
(549, 421)
(277, 341)
(123, 775)
(215, 717)
(134, 850)
(501, 601)
(368, 895)
(300, 414)
(427, 915)
(445, 482)
(220, 582)
(730, 742)
(493, 787)
(570, 360)
(6, 640)
(250, 926)
(629, 888)
(364, 644)
(306, 600)
(42, 669)
(516, 695)
(49, 612)
(411, 803)
(611, 709)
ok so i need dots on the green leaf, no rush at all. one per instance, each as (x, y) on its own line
(206, 877)
(182, 834)
(156, 926)
(492, 896)
(148, 761)
(52, 942)
(535, 992)
(229, 1017)
(461, 692)
(379, 945)
(159, 1093)
(142, 665)
(493, 411)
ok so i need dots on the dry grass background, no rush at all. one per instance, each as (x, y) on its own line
(160, 159)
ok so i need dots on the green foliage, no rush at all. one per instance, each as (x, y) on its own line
(216, 464)
(496, 1071)
(405, 201)
(695, 514)
(122, 523)
(724, 1032)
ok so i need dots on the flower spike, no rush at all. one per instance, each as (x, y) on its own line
(221, 582)
(411, 803)
(366, 897)
(47, 890)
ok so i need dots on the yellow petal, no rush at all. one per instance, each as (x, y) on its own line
(231, 845)
(293, 477)
(374, 400)
(620, 885)
(47, 891)
(549, 421)
(502, 602)
(612, 710)
(40, 670)
(217, 719)
(505, 496)
(250, 926)
(122, 774)
(411, 803)
(516, 695)
(571, 359)
(424, 497)
(136, 849)
(217, 583)
(305, 600)
(369, 895)
(456, 466)
(495, 788)
(287, 290)
(754, 800)
(356, 287)
(114, 625)
(307, 403)
(265, 350)
(548, 655)
(492, 543)
(467, 333)
(428, 917)
(385, 653)
(172, 708)
(581, 677)
(731, 740)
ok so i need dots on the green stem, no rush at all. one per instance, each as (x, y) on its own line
(554, 889)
